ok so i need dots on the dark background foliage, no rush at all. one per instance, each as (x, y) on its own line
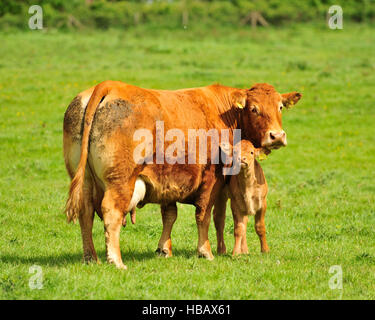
(103, 14)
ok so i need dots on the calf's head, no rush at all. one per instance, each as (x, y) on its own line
(262, 113)
(247, 153)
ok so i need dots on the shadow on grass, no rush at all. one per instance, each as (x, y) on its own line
(64, 259)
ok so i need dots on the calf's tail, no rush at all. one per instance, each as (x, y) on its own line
(75, 201)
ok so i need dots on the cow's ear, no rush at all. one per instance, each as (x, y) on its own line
(239, 99)
(290, 99)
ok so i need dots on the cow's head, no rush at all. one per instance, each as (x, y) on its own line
(261, 115)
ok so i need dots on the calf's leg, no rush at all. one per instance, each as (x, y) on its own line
(240, 222)
(244, 248)
(260, 229)
(169, 216)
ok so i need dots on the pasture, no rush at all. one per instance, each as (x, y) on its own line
(321, 198)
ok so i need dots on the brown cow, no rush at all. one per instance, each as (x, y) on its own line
(247, 191)
(99, 148)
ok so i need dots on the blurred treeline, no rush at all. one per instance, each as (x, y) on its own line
(103, 14)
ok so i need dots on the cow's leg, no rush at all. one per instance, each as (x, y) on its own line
(203, 218)
(169, 216)
(240, 221)
(86, 219)
(112, 217)
(219, 219)
(260, 228)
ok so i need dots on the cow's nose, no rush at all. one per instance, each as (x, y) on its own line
(276, 138)
(277, 135)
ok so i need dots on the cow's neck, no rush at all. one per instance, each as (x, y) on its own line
(226, 107)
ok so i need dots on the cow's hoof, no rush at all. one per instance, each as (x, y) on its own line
(208, 255)
(92, 262)
(117, 262)
(89, 258)
(236, 254)
(163, 252)
(120, 266)
(222, 251)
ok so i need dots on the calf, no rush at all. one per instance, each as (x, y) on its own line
(248, 192)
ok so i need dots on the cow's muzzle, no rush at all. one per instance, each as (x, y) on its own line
(274, 139)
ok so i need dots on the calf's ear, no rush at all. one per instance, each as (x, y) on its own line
(290, 99)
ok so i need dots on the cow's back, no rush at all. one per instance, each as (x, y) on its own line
(118, 116)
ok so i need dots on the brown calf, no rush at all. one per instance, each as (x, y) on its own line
(248, 192)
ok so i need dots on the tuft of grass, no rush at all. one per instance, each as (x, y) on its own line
(321, 191)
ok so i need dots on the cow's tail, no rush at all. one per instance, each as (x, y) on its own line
(75, 202)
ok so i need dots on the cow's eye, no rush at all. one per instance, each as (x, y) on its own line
(280, 108)
(255, 109)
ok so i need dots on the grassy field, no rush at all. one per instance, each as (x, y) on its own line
(321, 201)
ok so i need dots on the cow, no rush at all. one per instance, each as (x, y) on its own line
(99, 144)
(248, 192)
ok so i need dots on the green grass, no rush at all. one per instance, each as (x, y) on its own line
(321, 187)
